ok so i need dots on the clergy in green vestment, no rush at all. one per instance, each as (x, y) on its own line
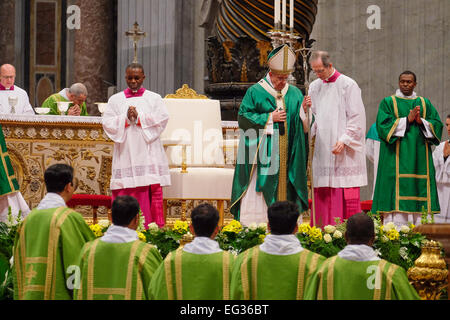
(408, 125)
(76, 95)
(118, 266)
(198, 271)
(48, 243)
(280, 268)
(357, 273)
(272, 155)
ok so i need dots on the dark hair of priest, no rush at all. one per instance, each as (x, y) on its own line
(283, 216)
(204, 219)
(135, 66)
(360, 229)
(408, 72)
(57, 176)
(124, 209)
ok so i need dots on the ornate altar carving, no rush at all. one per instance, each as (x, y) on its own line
(36, 142)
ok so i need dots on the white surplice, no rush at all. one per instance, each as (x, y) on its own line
(339, 116)
(281, 245)
(442, 183)
(373, 154)
(23, 103)
(358, 252)
(202, 245)
(118, 234)
(139, 158)
(50, 201)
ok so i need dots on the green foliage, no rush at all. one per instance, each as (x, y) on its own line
(238, 240)
(165, 239)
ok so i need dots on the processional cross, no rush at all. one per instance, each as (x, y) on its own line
(136, 35)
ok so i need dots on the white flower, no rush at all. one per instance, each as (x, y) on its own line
(405, 229)
(153, 227)
(388, 227)
(403, 251)
(329, 229)
(378, 252)
(104, 223)
(253, 226)
(327, 238)
(262, 225)
(337, 234)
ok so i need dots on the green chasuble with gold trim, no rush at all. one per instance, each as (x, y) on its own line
(46, 249)
(259, 152)
(406, 175)
(52, 103)
(190, 276)
(261, 276)
(116, 271)
(8, 180)
(341, 279)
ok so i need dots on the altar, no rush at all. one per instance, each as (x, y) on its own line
(35, 142)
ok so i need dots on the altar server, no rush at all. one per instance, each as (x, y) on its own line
(442, 165)
(134, 119)
(198, 271)
(48, 244)
(357, 273)
(339, 160)
(280, 268)
(118, 266)
(11, 93)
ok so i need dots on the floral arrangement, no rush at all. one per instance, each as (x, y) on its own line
(237, 238)
(166, 239)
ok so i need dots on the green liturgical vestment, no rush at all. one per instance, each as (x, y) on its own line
(52, 103)
(189, 276)
(259, 153)
(116, 271)
(406, 175)
(341, 279)
(46, 251)
(8, 181)
(258, 275)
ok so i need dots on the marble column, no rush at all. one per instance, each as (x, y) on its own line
(7, 14)
(94, 50)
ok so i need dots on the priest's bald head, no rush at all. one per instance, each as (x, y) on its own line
(360, 229)
(7, 75)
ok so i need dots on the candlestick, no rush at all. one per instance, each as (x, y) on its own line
(283, 16)
(291, 15)
(276, 15)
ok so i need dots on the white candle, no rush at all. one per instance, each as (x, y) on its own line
(283, 16)
(276, 16)
(291, 15)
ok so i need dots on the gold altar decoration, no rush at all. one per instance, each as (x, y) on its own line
(429, 274)
(185, 93)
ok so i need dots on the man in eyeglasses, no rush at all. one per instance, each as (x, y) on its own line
(134, 119)
(339, 164)
(8, 91)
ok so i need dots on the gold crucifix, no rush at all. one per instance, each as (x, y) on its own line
(136, 34)
(30, 274)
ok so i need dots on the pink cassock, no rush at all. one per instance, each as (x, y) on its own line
(332, 203)
(150, 200)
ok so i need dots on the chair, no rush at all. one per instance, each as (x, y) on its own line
(194, 146)
(92, 200)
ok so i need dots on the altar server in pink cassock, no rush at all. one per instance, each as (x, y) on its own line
(134, 120)
(339, 163)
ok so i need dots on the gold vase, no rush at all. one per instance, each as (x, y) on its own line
(429, 274)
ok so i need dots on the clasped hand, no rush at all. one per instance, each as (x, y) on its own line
(74, 110)
(414, 115)
(132, 114)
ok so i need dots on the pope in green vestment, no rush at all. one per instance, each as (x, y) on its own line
(52, 103)
(116, 271)
(342, 279)
(406, 175)
(46, 250)
(258, 275)
(277, 160)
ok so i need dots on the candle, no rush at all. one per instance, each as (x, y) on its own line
(291, 15)
(283, 16)
(276, 16)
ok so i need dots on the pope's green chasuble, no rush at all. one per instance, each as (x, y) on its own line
(8, 180)
(116, 271)
(46, 251)
(261, 276)
(341, 279)
(280, 167)
(52, 103)
(190, 276)
(406, 175)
